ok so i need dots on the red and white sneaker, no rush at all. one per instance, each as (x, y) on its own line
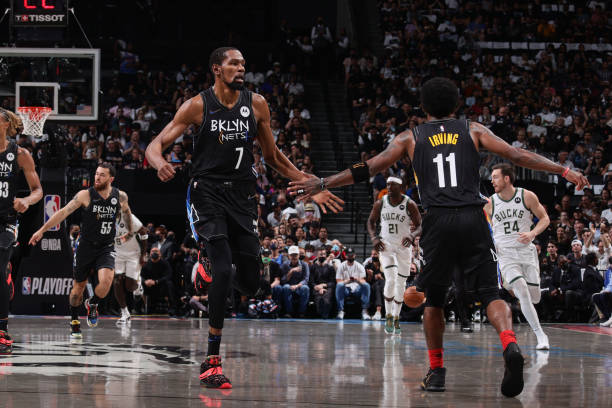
(6, 343)
(211, 374)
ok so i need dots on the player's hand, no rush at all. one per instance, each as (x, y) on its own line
(329, 200)
(408, 241)
(526, 237)
(578, 179)
(149, 282)
(20, 205)
(306, 187)
(37, 236)
(166, 172)
(378, 244)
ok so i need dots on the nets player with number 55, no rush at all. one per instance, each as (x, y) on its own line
(96, 245)
(12, 159)
(221, 199)
(444, 155)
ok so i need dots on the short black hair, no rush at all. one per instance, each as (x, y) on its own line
(110, 167)
(439, 97)
(506, 170)
(217, 56)
(592, 259)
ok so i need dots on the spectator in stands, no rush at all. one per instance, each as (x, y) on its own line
(351, 282)
(603, 300)
(275, 217)
(323, 282)
(322, 240)
(156, 277)
(294, 284)
(376, 280)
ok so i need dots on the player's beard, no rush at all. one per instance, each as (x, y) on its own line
(234, 85)
(101, 186)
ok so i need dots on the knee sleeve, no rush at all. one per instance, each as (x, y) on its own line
(521, 292)
(246, 279)
(436, 296)
(535, 293)
(220, 258)
(400, 288)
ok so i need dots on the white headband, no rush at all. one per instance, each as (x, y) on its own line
(394, 180)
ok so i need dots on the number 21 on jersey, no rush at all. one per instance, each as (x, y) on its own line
(439, 161)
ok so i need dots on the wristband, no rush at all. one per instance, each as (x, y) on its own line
(360, 172)
(143, 237)
(567, 169)
(323, 184)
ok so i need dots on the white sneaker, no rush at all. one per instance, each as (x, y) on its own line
(476, 318)
(607, 323)
(125, 317)
(377, 316)
(543, 343)
(365, 316)
(340, 315)
(451, 317)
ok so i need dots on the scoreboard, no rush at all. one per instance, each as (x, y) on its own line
(39, 13)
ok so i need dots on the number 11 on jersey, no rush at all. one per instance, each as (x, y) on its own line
(453, 170)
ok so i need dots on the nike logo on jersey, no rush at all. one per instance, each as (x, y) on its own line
(213, 112)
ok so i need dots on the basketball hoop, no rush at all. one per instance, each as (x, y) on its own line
(33, 118)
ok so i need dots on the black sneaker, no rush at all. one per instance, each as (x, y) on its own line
(512, 384)
(75, 330)
(434, 380)
(92, 314)
(211, 374)
(6, 343)
(466, 326)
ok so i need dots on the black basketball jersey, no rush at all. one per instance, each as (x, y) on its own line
(9, 169)
(98, 219)
(446, 164)
(223, 146)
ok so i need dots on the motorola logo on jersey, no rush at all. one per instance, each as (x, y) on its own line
(245, 111)
(10, 157)
(52, 205)
(517, 200)
(46, 286)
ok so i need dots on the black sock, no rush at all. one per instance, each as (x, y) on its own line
(214, 344)
(94, 300)
(4, 324)
(74, 312)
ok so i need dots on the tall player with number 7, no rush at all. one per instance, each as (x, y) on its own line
(95, 249)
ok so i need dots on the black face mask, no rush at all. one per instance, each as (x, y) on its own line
(374, 259)
(155, 256)
(321, 259)
(302, 257)
(74, 235)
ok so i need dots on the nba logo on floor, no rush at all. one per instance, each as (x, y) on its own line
(26, 286)
(52, 205)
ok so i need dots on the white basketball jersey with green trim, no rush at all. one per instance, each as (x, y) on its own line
(394, 221)
(509, 219)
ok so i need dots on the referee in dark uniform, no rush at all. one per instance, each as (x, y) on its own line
(221, 198)
(444, 155)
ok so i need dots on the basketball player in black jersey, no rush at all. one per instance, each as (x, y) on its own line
(96, 245)
(444, 154)
(12, 159)
(221, 199)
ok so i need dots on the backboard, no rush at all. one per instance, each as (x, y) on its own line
(65, 79)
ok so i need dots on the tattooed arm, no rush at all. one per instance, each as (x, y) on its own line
(484, 137)
(81, 199)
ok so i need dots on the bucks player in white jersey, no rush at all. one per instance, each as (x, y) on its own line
(511, 211)
(130, 244)
(400, 223)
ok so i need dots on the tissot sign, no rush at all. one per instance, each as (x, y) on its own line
(51, 13)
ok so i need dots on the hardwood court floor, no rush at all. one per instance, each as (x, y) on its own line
(283, 363)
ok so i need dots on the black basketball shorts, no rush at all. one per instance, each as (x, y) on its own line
(91, 258)
(228, 210)
(457, 238)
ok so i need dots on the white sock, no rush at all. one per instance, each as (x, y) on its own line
(521, 291)
(397, 307)
(388, 306)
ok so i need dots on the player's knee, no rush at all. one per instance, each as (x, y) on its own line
(118, 280)
(536, 295)
(436, 296)
(131, 284)
(519, 287)
(487, 296)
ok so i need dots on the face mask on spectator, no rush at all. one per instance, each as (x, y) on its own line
(273, 246)
(321, 259)
(308, 255)
(155, 256)
(265, 260)
(301, 257)
(374, 259)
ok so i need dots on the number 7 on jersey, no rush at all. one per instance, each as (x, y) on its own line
(240, 152)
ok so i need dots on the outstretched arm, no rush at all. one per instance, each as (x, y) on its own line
(521, 157)
(29, 171)
(398, 147)
(189, 113)
(81, 199)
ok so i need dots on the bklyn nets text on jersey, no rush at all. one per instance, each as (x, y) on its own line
(5, 169)
(104, 211)
(237, 129)
(509, 213)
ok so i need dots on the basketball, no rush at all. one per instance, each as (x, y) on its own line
(412, 298)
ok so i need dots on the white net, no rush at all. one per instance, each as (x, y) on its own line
(33, 119)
